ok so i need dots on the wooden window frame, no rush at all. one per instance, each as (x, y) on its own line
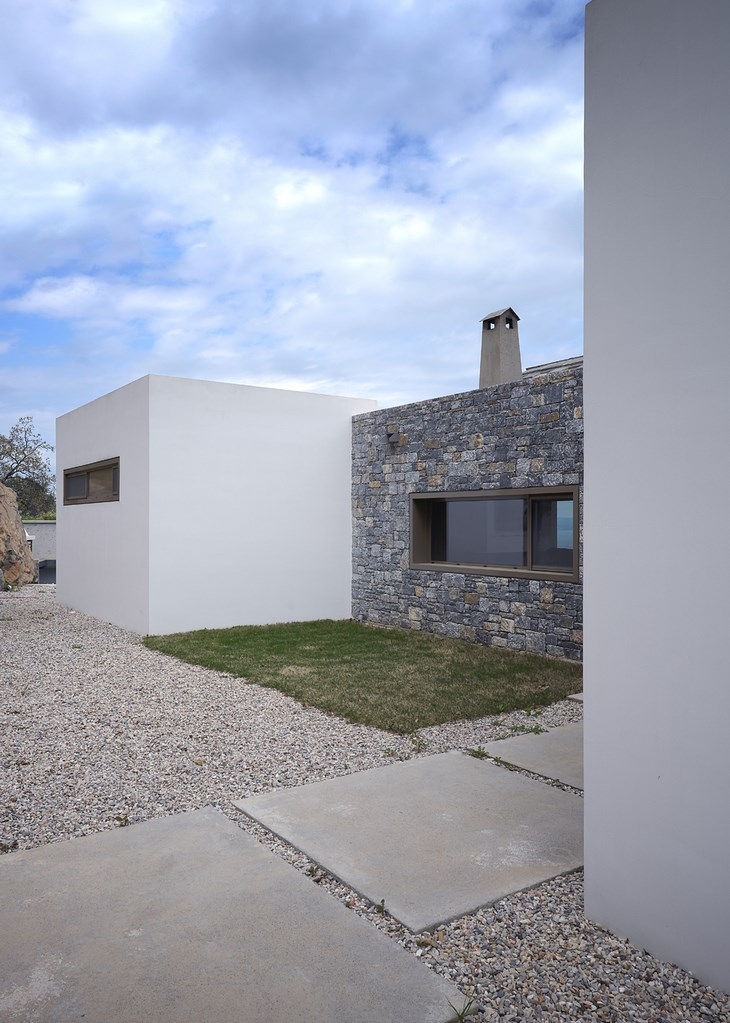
(421, 506)
(103, 497)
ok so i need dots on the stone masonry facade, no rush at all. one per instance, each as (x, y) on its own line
(528, 433)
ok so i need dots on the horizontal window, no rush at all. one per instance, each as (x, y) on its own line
(92, 484)
(497, 532)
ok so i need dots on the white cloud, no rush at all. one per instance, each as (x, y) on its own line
(329, 194)
(139, 18)
(73, 298)
(298, 191)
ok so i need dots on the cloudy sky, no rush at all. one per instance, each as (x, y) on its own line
(317, 194)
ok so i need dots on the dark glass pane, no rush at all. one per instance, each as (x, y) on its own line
(100, 484)
(115, 479)
(487, 532)
(75, 486)
(438, 531)
(552, 533)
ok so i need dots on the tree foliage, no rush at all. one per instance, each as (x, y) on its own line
(24, 467)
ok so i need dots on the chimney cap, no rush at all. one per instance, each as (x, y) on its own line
(498, 313)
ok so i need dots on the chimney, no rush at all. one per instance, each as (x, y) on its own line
(501, 360)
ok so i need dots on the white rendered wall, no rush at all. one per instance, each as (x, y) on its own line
(657, 513)
(279, 464)
(43, 532)
(102, 560)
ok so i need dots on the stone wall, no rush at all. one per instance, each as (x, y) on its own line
(16, 561)
(523, 434)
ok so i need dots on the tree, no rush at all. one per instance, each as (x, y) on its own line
(24, 467)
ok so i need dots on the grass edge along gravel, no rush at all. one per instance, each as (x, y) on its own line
(393, 679)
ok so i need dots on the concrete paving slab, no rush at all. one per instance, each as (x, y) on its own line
(578, 697)
(557, 753)
(436, 837)
(187, 919)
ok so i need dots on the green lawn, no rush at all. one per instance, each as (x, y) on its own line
(396, 680)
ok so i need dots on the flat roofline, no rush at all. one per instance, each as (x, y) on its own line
(546, 367)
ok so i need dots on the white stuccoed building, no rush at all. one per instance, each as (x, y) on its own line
(657, 468)
(147, 472)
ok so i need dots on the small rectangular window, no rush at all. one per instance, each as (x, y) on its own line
(508, 532)
(92, 484)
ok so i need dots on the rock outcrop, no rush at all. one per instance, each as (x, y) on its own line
(16, 561)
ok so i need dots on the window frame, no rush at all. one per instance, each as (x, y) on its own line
(421, 535)
(106, 496)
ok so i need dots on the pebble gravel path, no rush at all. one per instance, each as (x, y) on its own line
(99, 732)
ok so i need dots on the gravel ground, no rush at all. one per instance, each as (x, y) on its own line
(99, 732)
